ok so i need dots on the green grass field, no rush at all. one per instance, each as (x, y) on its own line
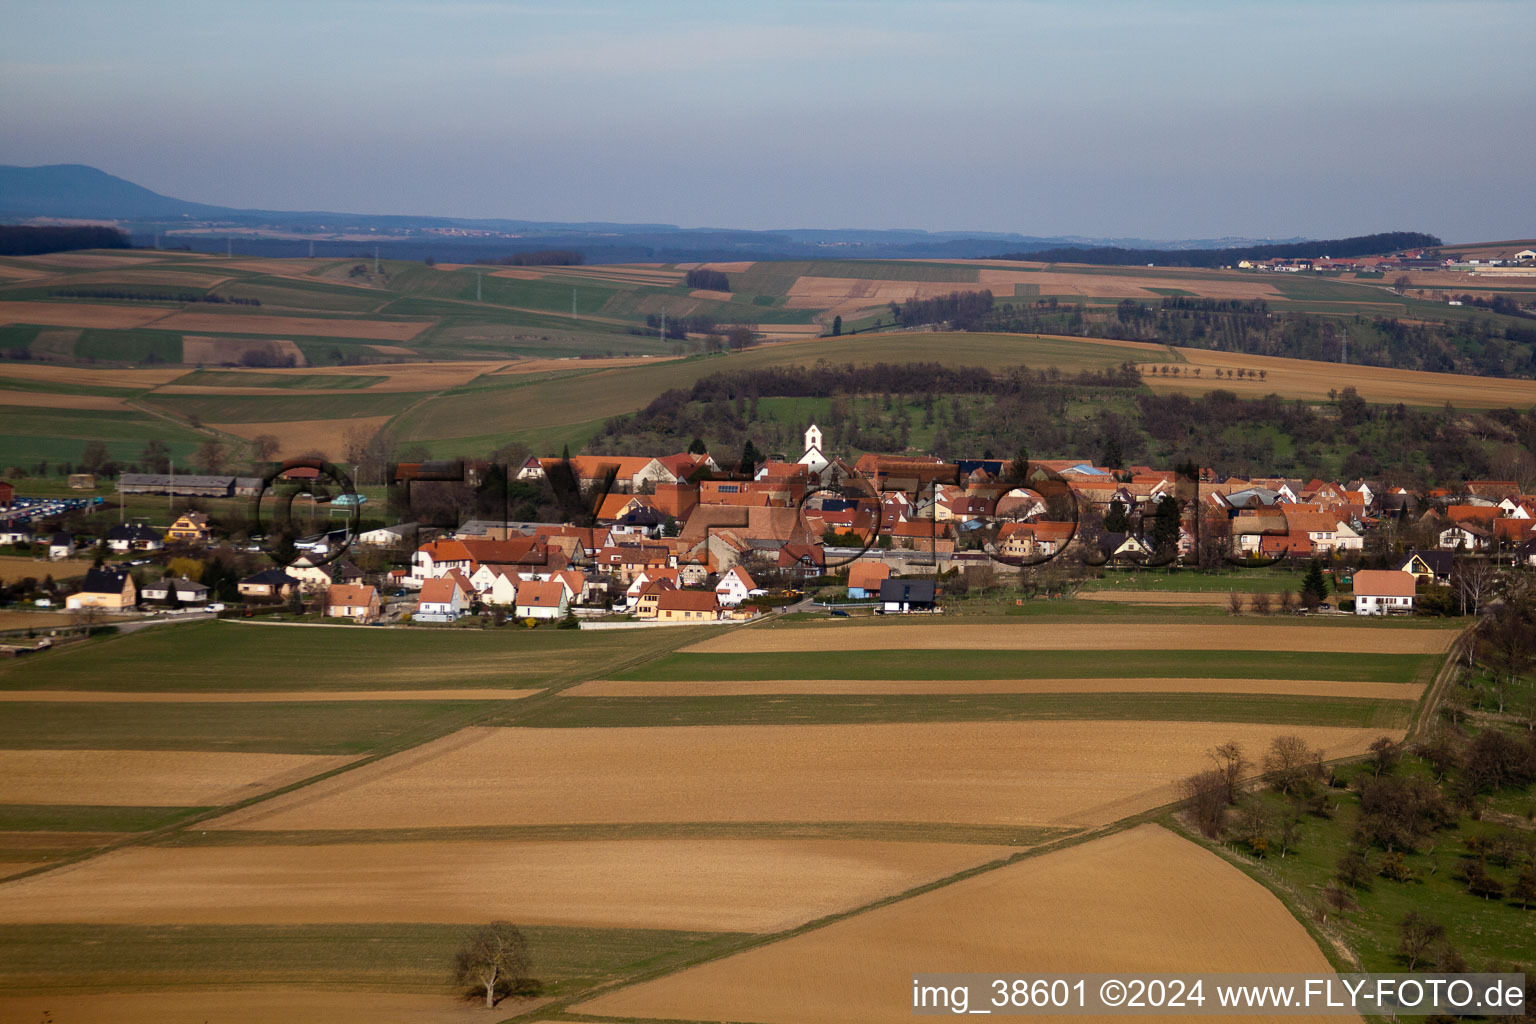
(346, 727)
(29, 434)
(1042, 664)
(841, 709)
(81, 818)
(224, 657)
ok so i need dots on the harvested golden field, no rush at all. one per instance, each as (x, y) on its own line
(1002, 773)
(52, 374)
(756, 885)
(17, 567)
(79, 314)
(199, 350)
(249, 323)
(941, 635)
(297, 437)
(244, 1006)
(1296, 687)
(13, 618)
(1140, 901)
(252, 697)
(45, 400)
(148, 778)
(1307, 379)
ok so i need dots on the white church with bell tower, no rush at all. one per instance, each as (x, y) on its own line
(813, 457)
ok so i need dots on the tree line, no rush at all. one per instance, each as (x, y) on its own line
(138, 296)
(708, 280)
(537, 258)
(962, 310)
(1359, 245)
(27, 240)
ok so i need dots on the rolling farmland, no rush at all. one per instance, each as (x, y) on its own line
(458, 346)
(533, 789)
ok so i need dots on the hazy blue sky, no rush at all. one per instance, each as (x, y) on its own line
(1161, 120)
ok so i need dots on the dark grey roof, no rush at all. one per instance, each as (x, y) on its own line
(167, 479)
(133, 531)
(104, 581)
(911, 591)
(271, 578)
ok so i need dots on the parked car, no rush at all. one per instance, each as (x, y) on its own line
(838, 613)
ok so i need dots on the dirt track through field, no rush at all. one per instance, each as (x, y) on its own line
(255, 697)
(1089, 637)
(149, 778)
(1140, 901)
(1004, 773)
(695, 884)
(1297, 687)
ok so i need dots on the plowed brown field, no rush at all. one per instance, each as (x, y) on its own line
(1002, 773)
(1298, 687)
(1141, 901)
(148, 778)
(1087, 636)
(255, 697)
(65, 314)
(296, 437)
(727, 884)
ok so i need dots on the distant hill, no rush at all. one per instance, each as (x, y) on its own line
(76, 191)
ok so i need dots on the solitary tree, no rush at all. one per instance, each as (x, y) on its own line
(1232, 765)
(495, 957)
(1314, 588)
(837, 326)
(264, 447)
(1113, 458)
(1385, 753)
(1205, 795)
(1291, 763)
(1417, 934)
(697, 447)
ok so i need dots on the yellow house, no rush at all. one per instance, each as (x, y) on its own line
(105, 588)
(190, 526)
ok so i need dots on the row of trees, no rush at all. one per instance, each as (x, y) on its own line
(961, 310)
(707, 280)
(150, 296)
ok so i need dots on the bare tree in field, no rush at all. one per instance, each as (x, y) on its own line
(1259, 603)
(1418, 934)
(1232, 766)
(1205, 795)
(1472, 579)
(1288, 601)
(1235, 603)
(264, 447)
(496, 957)
(1292, 764)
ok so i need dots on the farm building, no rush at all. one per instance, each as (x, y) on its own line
(7, 494)
(1383, 592)
(907, 595)
(82, 481)
(177, 484)
(61, 545)
(105, 588)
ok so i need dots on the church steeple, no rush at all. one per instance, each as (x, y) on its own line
(813, 438)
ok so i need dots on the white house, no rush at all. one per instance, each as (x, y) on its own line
(495, 585)
(443, 599)
(734, 587)
(61, 546)
(1383, 592)
(547, 600)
